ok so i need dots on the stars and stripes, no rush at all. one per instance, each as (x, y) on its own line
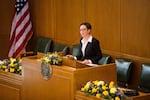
(21, 29)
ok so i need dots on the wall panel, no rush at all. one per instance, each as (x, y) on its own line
(41, 17)
(135, 27)
(6, 13)
(105, 17)
(69, 14)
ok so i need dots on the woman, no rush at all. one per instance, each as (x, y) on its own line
(90, 51)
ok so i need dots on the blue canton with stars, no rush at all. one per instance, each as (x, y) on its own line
(19, 5)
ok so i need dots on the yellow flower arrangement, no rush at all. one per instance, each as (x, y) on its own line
(102, 89)
(52, 59)
(13, 65)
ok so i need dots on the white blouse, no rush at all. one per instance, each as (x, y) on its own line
(84, 44)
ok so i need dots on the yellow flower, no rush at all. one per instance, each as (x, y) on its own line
(86, 87)
(54, 61)
(105, 93)
(20, 67)
(113, 90)
(4, 66)
(3, 63)
(111, 84)
(100, 83)
(104, 87)
(46, 59)
(95, 82)
(94, 90)
(11, 65)
(101, 89)
(106, 84)
(12, 70)
(117, 98)
(12, 60)
(98, 95)
(53, 58)
(6, 70)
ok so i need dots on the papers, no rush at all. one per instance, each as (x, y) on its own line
(92, 64)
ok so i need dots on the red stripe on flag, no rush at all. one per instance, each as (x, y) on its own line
(22, 45)
(21, 30)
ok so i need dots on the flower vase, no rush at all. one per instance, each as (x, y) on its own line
(46, 70)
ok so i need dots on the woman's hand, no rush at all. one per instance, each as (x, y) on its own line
(86, 61)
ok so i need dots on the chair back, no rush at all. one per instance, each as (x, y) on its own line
(124, 69)
(75, 49)
(106, 59)
(42, 45)
(57, 47)
(144, 82)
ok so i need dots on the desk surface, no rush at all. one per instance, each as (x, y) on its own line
(81, 96)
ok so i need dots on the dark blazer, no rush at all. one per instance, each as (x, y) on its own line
(92, 51)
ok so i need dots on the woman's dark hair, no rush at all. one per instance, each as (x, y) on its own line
(88, 25)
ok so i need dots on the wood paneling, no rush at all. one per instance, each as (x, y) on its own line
(4, 42)
(135, 27)
(69, 14)
(41, 17)
(6, 13)
(105, 18)
(8, 90)
(10, 86)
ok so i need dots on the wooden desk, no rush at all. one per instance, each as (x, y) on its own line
(81, 96)
(10, 86)
(141, 96)
(62, 85)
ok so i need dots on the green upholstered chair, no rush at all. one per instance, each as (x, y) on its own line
(106, 59)
(42, 45)
(58, 47)
(124, 70)
(75, 49)
(144, 82)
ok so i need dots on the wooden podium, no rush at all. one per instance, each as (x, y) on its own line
(64, 82)
(62, 85)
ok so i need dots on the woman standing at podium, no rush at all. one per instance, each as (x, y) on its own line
(90, 51)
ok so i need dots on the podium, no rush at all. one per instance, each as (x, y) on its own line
(63, 83)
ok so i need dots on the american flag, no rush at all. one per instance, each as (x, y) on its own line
(21, 29)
